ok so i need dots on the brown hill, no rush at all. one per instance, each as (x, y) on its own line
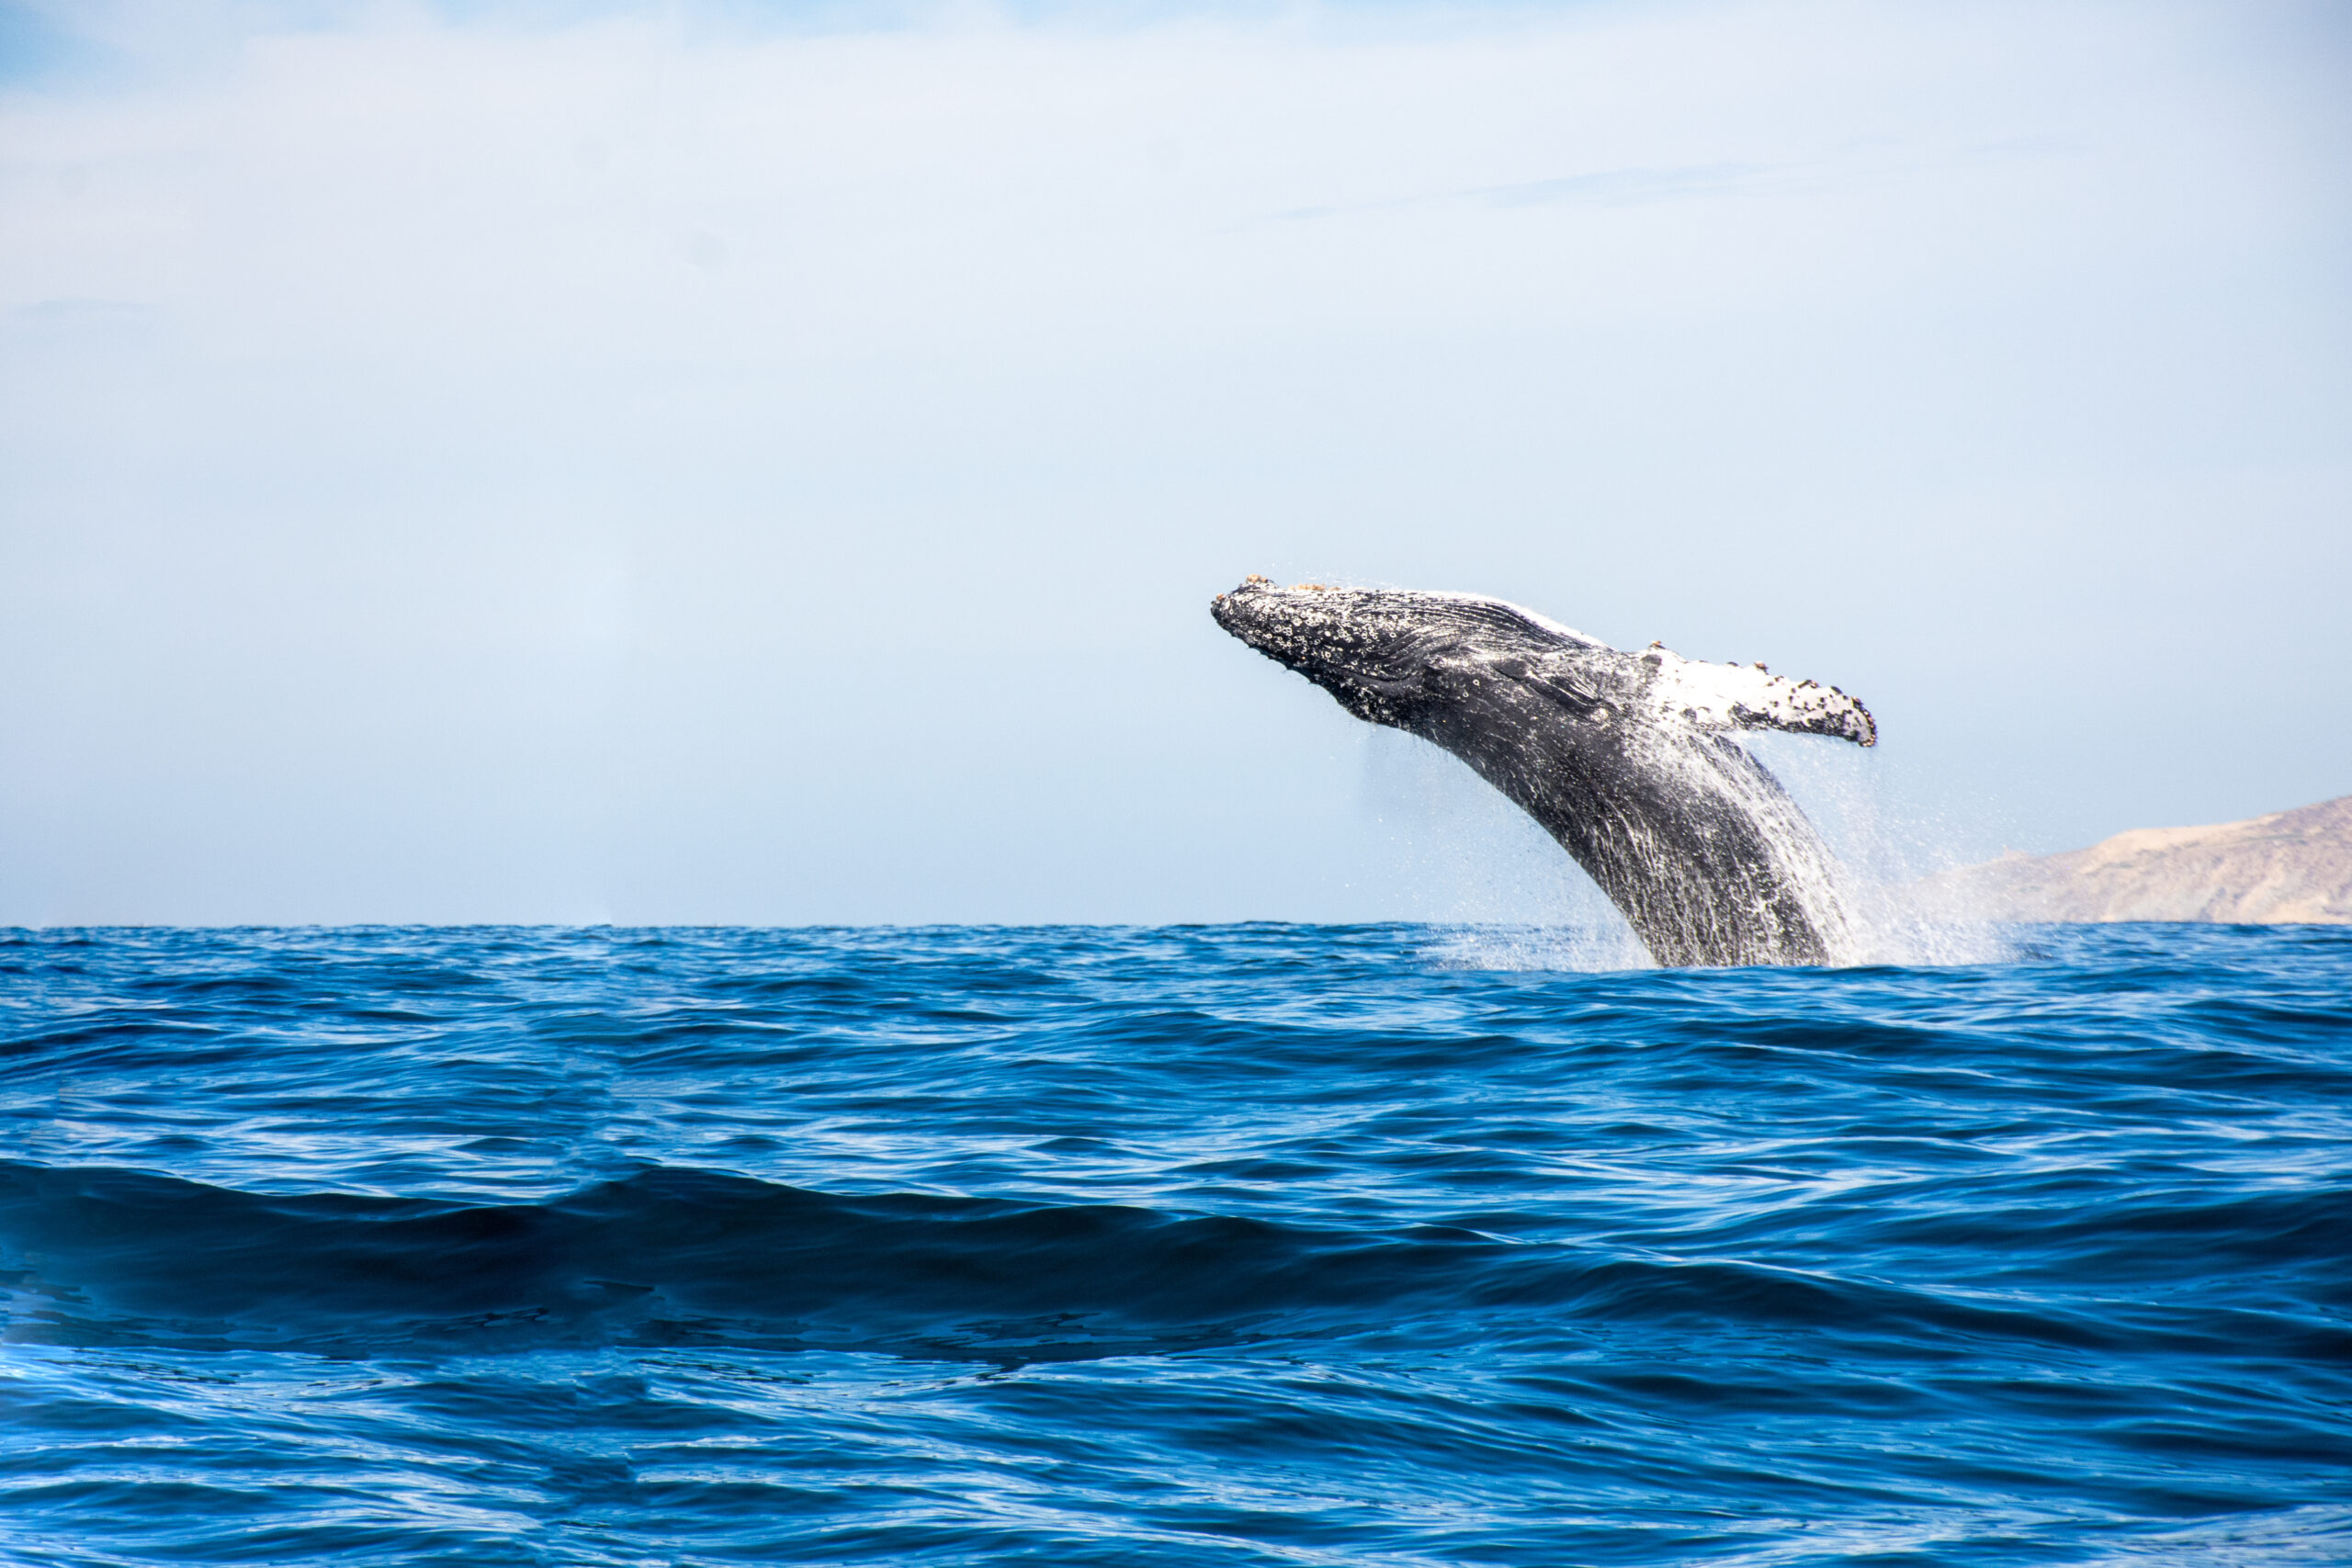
(2291, 866)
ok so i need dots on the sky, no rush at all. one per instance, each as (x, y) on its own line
(741, 463)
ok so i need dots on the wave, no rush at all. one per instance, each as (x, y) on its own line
(670, 1256)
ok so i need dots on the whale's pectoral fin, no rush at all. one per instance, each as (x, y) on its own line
(1811, 709)
(1743, 696)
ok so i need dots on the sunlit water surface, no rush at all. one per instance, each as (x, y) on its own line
(1255, 1244)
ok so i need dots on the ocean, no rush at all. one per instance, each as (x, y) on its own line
(1215, 1245)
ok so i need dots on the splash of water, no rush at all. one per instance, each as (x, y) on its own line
(1846, 843)
(1873, 847)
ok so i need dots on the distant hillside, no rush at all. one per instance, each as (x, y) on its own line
(2291, 866)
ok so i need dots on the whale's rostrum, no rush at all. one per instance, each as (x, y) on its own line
(1624, 758)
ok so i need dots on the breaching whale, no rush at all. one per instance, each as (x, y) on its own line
(1622, 757)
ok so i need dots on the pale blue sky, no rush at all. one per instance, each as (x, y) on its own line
(732, 463)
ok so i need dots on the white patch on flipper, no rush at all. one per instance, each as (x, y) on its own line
(1739, 696)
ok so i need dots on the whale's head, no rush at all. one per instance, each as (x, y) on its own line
(1388, 656)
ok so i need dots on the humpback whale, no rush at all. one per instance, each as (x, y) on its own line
(1624, 758)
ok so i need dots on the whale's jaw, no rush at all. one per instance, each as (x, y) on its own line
(1622, 757)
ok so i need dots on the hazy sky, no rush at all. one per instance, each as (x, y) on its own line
(770, 463)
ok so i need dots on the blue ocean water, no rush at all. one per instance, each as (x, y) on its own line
(1252, 1244)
